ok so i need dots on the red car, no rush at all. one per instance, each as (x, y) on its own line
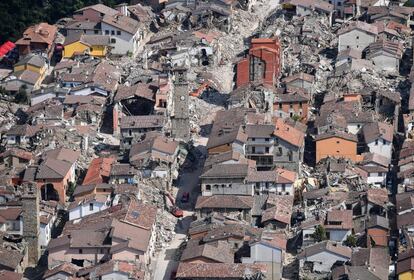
(185, 198)
(177, 212)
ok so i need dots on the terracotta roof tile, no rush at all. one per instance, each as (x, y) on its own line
(98, 171)
(288, 133)
(224, 201)
(281, 207)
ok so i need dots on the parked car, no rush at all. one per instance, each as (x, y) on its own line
(185, 198)
(177, 212)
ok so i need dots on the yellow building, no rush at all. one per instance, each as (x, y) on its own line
(78, 44)
(408, 275)
(405, 265)
(34, 63)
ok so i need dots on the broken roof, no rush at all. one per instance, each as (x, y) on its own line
(385, 47)
(148, 121)
(299, 76)
(352, 53)
(281, 207)
(133, 270)
(17, 152)
(404, 201)
(146, 91)
(360, 25)
(39, 33)
(65, 268)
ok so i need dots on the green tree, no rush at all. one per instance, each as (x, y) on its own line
(296, 118)
(320, 233)
(71, 188)
(22, 96)
(351, 241)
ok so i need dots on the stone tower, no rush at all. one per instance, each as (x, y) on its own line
(180, 122)
(31, 222)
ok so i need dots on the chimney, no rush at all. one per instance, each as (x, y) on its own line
(123, 9)
(31, 222)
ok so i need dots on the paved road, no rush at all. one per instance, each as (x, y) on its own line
(188, 182)
(166, 261)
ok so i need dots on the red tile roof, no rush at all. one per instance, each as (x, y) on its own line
(98, 171)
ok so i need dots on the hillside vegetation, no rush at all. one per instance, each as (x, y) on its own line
(17, 15)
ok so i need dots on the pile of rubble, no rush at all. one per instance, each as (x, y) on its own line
(165, 228)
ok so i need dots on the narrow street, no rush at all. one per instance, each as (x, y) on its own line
(167, 259)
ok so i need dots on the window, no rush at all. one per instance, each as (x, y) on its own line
(283, 187)
(253, 139)
(267, 149)
(376, 142)
(113, 41)
(339, 4)
(112, 32)
(208, 188)
(118, 32)
(357, 37)
(337, 142)
(380, 174)
(106, 32)
(96, 31)
(280, 151)
(223, 186)
(253, 150)
(267, 139)
(130, 132)
(347, 47)
(90, 206)
(291, 105)
(280, 106)
(358, 126)
(384, 141)
(80, 251)
(236, 246)
(300, 104)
